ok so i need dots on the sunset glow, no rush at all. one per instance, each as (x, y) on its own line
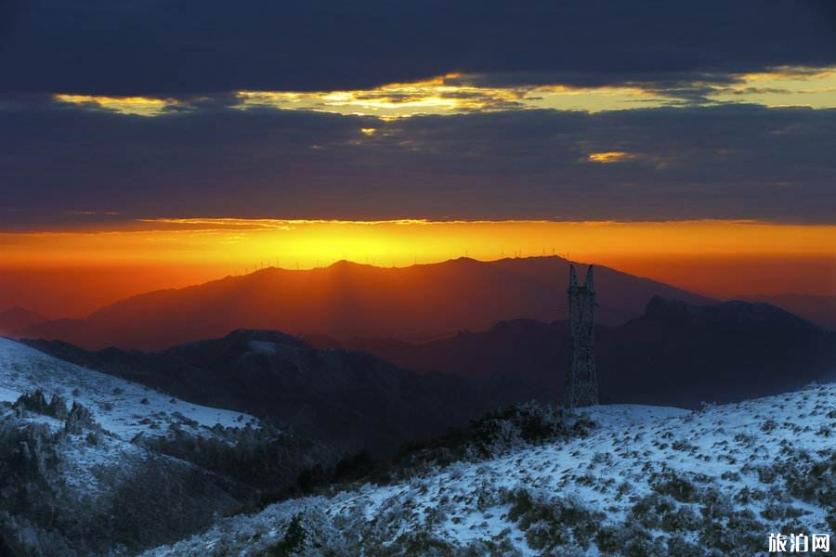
(258, 257)
(246, 243)
(713, 257)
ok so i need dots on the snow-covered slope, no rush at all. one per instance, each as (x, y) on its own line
(87, 466)
(648, 481)
(121, 407)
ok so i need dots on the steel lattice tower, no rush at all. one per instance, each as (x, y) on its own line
(582, 380)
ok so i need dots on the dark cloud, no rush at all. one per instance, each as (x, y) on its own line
(69, 165)
(179, 47)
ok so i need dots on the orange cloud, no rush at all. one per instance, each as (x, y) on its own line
(457, 94)
(139, 106)
(610, 157)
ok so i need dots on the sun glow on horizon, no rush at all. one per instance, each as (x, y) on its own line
(70, 272)
(244, 243)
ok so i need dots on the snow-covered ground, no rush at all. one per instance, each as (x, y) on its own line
(119, 406)
(647, 481)
(126, 468)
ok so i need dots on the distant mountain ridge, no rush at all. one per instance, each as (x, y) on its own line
(15, 319)
(675, 354)
(351, 400)
(352, 300)
(819, 309)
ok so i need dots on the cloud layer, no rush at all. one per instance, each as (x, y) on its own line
(64, 165)
(115, 110)
(176, 48)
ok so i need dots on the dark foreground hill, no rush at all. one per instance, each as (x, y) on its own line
(350, 400)
(674, 354)
(415, 303)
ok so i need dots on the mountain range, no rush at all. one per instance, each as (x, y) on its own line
(158, 443)
(420, 302)
(379, 393)
(675, 353)
(819, 309)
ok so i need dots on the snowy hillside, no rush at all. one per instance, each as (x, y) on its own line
(647, 481)
(121, 407)
(91, 464)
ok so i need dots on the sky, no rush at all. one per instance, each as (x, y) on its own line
(174, 134)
